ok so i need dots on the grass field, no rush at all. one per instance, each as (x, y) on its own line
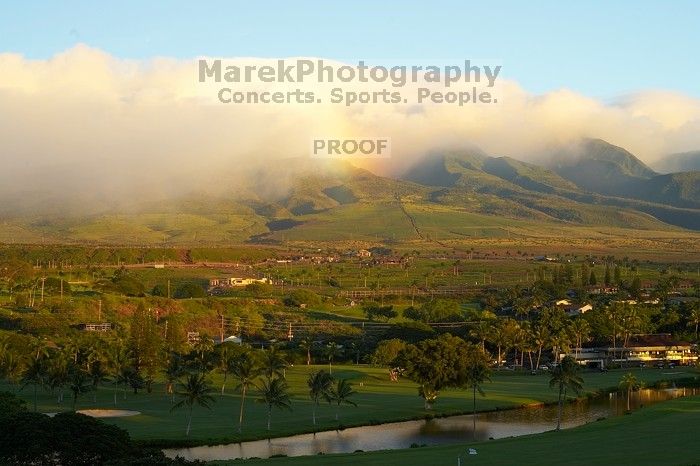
(664, 434)
(379, 400)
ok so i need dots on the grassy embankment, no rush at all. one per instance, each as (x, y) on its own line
(664, 434)
(379, 401)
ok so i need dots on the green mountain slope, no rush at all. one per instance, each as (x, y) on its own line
(451, 194)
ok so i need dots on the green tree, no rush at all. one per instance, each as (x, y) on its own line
(694, 319)
(478, 372)
(387, 351)
(340, 394)
(585, 274)
(482, 331)
(617, 274)
(195, 390)
(275, 394)
(565, 377)
(332, 351)
(319, 383)
(245, 369)
(225, 353)
(592, 279)
(173, 370)
(306, 344)
(57, 374)
(383, 313)
(273, 363)
(78, 383)
(35, 375)
(145, 342)
(581, 331)
(118, 360)
(434, 364)
(629, 383)
(98, 376)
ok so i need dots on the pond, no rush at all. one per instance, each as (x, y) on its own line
(442, 431)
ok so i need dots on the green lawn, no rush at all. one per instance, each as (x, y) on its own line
(379, 400)
(664, 434)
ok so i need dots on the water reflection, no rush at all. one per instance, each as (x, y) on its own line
(448, 430)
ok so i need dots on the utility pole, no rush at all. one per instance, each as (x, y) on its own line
(99, 311)
(222, 327)
(43, 279)
(168, 288)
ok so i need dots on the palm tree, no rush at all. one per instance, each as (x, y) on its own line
(57, 374)
(204, 349)
(98, 376)
(117, 361)
(306, 344)
(225, 356)
(195, 390)
(559, 341)
(173, 371)
(694, 320)
(581, 332)
(341, 393)
(246, 369)
(273, 364)
(565, 376)
(12, 368)
(78, 382)
(275, 394)
(540, 337)
(36, 375)
(319, 383)
(629, 383)
(481, 332)
(332, 350)
(478, 372)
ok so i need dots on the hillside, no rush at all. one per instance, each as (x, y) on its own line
(450, 195)
(595, 166)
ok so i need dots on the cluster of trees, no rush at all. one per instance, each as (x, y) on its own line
(82, 365)
(451, 362)
(68, 438)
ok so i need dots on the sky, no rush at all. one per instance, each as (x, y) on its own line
(604, 50)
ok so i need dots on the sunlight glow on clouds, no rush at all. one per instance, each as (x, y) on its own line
(119, 122)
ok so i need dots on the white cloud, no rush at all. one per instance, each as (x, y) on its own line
(123, 124)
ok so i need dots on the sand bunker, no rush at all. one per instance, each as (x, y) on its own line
(108, 412)
(104, 413)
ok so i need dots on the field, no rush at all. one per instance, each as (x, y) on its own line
(633, 439)
(379, 400)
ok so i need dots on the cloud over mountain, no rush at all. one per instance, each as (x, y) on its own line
(84, 119)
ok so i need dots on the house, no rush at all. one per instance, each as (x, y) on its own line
(92, 327)
(577, 309)
(684, 285)
(362, 253)
(602, 289)
(246, 281)
(648, 349)
(235, 281)
(230, 339)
